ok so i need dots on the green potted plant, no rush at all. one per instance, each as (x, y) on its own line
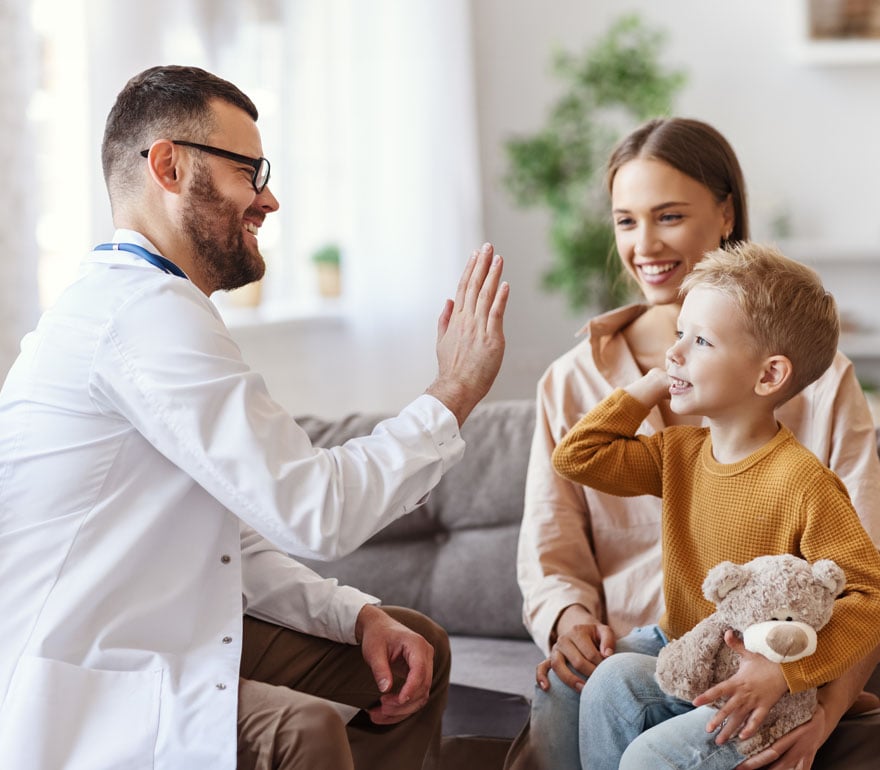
(327, 261)
(614, 85)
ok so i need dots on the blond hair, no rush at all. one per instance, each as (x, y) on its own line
(784, 306)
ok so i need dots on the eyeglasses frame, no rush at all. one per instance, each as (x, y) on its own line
(254, 163)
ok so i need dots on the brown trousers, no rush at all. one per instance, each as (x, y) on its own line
(520, 756)
(283, 724)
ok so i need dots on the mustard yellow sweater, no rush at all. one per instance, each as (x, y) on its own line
(780, 499)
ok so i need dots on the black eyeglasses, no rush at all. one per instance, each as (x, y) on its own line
(260, 165)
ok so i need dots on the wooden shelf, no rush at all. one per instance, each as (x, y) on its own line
(839, 52)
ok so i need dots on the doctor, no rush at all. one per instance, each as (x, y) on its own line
(150, 488)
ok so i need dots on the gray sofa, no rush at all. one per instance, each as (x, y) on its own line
(454, 559)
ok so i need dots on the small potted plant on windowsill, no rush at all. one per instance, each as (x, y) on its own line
(327, 261)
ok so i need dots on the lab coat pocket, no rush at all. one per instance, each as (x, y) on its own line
(57, 715)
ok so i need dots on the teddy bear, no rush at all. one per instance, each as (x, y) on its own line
(776, 604)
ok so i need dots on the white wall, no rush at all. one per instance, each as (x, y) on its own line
(807, 137)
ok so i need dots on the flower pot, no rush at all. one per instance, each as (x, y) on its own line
(329, 281)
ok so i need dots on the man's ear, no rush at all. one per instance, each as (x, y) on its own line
(776, 374)
(163, 161)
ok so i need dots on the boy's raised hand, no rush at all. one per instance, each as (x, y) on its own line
(650, 389)
(751, 692)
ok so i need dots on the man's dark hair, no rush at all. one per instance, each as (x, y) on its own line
(171, 102)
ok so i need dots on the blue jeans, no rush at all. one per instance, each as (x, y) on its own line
(622, 719)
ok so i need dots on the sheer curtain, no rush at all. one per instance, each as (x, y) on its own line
(18, 247)
(126, 38)
(390, 104)
(415, 155)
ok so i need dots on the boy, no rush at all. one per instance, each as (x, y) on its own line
(755, 328)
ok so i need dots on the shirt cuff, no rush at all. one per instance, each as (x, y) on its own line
(442, 425)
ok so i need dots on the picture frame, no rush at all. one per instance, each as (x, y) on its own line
(837, 32)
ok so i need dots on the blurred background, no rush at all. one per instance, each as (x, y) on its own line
(389, 125)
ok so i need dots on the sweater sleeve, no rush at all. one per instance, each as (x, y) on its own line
(556, 562)
(603, 451)
(833, 531)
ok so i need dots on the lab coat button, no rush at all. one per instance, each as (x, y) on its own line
(225, 558)
(220, 686)
(226, 639)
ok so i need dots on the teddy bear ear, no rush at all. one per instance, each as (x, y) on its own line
(722, 579)
(829, 576)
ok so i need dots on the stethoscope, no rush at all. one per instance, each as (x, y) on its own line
(166, 265)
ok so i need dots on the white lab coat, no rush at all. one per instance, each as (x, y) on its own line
(143, 471)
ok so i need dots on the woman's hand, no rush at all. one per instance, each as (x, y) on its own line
(582, 643)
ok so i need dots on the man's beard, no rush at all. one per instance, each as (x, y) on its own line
(216, 231)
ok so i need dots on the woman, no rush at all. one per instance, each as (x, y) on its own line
(589, 564)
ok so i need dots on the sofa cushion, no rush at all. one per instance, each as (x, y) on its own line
(454, 559)
(490, 663)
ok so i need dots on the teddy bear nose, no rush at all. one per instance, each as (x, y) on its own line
(786, 640)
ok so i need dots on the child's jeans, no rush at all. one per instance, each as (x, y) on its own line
(622, 719)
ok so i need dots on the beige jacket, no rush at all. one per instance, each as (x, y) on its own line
(580, 546)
